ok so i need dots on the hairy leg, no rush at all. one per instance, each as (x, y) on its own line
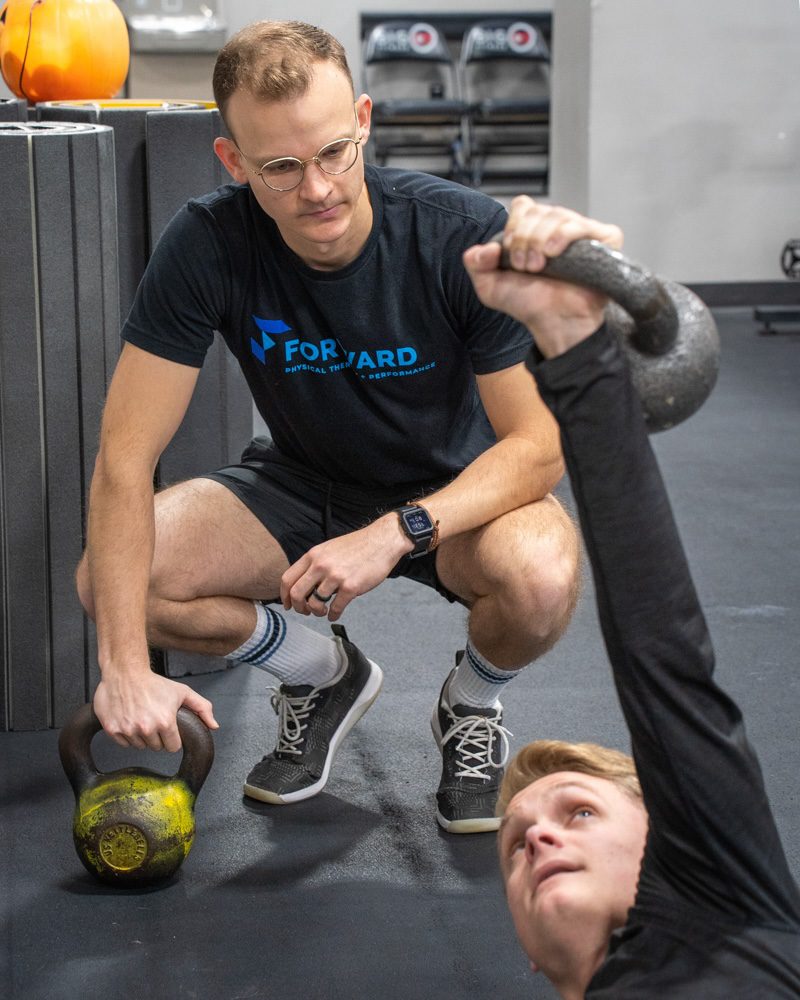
(212, 559)
(520, 575)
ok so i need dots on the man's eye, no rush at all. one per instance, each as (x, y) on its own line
(280, 167)
(515, 846)
(583, 812)
(333, 152)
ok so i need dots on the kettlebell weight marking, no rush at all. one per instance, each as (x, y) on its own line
(123, 846)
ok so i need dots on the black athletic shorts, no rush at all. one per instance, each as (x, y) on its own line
(300, 508)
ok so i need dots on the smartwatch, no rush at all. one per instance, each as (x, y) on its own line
(416, 522)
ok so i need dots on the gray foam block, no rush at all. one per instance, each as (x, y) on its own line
(13, 109)
(58, 297)
(129, 121)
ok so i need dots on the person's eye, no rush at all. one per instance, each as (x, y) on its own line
(334, 151)
(513, 845)
(583, 812)
(280, 167)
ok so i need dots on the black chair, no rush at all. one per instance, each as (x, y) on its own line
(417, 114)
(505, 79)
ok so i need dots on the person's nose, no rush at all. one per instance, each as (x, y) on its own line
(316, 184)
(539, 837)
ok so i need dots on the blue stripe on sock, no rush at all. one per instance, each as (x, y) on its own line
(484, 672)
(271, 642)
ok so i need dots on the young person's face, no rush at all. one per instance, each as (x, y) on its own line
(325, 213)
(570, 848)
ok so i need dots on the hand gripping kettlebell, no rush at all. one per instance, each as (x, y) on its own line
(133, 826)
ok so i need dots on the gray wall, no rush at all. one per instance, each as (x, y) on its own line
(680, 121)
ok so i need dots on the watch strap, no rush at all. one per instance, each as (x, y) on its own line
(425, 541)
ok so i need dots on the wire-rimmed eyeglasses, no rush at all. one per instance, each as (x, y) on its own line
(287, 172)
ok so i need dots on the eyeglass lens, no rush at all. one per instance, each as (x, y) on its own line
(334, 158)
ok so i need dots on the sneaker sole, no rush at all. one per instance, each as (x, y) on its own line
(482, 824)
(368, 694)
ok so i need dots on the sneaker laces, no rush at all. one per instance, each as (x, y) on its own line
(293, 712)
(475, 735)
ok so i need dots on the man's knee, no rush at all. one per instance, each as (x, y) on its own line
(536, 566)
(554, 583)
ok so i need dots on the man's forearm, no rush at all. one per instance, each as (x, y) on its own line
(512, 473)
(120, 551)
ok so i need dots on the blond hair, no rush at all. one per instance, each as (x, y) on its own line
(543, 757)
(274, 60)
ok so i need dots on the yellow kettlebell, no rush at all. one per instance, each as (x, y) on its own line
(134, 826)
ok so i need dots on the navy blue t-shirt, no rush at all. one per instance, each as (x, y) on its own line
(365, 374)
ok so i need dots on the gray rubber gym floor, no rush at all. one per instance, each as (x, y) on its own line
(357, 893)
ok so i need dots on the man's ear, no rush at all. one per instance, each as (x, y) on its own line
(231, 159)
(364, 115)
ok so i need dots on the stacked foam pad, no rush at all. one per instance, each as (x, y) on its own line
(13, 110)
(129, 121)
(57, 354)
(59, 313)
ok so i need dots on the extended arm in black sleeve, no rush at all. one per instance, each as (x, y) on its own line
(712, 836)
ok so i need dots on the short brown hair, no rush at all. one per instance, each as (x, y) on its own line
(273, 60)
(543, 757)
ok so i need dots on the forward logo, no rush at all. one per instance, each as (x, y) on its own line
(267, 327)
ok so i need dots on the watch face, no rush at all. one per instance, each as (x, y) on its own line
(418, 521)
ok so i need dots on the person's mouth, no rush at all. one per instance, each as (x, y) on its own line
(547, 871)
(323, 213)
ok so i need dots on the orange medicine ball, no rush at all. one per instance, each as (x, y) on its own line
(76, 49)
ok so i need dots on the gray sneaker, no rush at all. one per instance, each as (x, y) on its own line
(474, 747)
(312, 722)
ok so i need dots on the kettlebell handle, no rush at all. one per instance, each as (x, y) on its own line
(198, 750)
(74, 747)
(640, 293)
(667, 333)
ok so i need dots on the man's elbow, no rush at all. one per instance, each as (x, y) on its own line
(550, 459)
(554, 472)
(559, 468)
(121, 472)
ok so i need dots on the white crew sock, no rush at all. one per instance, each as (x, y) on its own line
(288, 650)
(476, 682)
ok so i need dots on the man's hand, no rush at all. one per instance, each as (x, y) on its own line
(343, 568)
(139, 710)
(557, 313)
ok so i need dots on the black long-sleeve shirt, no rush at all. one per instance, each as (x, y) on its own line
(717, 913)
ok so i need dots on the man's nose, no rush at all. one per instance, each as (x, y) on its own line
(315, 183)
(538, 836)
